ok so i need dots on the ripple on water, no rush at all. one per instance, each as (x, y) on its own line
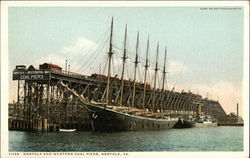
(193, 139)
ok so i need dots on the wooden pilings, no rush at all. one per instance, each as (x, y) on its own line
(18, 124)
(37, 124)
(53, 127)
(42, 125)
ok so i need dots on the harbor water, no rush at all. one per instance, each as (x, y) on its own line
(222, 138)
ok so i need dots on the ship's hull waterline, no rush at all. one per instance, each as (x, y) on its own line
(201, 125)
(104, 119)
(183, 123)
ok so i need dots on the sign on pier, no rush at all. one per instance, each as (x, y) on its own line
(31, 75)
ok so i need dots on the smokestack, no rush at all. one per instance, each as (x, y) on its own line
(66, 65)
(238, 109)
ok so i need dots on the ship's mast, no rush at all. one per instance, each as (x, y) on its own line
(164, 77)
(164, 69)
(136, 64)
(123, 64)
(110, 53)
(145, 76)
(156, 69)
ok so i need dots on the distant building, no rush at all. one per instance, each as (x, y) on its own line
(232, 118)
(52, 67)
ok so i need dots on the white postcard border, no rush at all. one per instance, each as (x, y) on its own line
(4, 71)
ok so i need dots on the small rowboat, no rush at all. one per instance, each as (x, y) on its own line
(67, 130)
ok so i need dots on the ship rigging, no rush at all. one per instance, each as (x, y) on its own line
(115, 101)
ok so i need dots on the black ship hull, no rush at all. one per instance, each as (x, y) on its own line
(103, 119)
(183, 123)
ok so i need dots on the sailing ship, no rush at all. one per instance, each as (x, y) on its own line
(149, 114)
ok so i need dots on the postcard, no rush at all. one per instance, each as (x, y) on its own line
(124, 79)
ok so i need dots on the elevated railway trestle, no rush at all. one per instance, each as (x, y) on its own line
(43, 104)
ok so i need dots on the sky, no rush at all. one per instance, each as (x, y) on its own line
(204, 47)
